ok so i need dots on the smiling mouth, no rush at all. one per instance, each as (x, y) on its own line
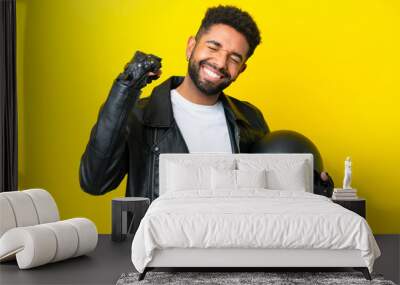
(211, 73)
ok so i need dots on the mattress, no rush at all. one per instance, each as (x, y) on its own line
(250, 219)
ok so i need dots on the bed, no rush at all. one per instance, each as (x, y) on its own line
(245, 211)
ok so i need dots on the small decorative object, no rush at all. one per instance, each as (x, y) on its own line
(347, 192)
(347, 173)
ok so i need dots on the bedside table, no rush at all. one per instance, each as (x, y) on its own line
(356, 205)
(127, 213)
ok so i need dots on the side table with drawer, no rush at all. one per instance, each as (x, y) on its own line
(356, 205)
(126, 216)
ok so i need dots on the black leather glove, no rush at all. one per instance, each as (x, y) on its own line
(136, 73)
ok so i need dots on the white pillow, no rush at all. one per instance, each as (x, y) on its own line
(237, 179)
(251, 178)
(223, 179)
(184, 174)
(293, 178)
(282, 174)
(181, 178)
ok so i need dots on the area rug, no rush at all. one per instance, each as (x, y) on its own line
(244, 278)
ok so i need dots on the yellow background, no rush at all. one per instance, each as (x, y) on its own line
(327, 69)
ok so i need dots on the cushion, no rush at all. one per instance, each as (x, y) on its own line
(26, 208)
(294, 178)
(281, 174)
(237, 179)
(223, 179)
(7, 218)
(182, 178)
(251, 178)
(45, 205)
(185, 175)
(23, 208)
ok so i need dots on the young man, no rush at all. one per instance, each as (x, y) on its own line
(190, 114)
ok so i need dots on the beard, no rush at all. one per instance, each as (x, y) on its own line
(207, 87)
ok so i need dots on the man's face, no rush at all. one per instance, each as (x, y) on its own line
(217, 58)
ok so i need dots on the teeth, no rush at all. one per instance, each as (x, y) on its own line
(211, 74)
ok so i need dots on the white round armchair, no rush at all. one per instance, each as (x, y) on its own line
(31, 232)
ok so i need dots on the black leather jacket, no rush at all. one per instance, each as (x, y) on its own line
(130, 134)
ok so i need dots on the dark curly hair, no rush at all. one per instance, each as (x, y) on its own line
(236, 18)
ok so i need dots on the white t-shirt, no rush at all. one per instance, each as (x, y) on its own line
(204, 128)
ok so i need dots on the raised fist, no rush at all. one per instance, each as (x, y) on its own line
(141, 70)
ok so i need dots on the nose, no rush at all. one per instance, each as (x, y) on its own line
(221, 60)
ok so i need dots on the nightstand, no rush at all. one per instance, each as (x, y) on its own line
(356, 205)
(126, 216)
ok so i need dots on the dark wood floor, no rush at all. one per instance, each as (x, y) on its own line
(389, 262)
(110, 260)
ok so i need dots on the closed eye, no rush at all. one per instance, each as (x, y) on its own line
(235, 59)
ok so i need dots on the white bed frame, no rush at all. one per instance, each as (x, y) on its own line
(234, 257)
(245, 257)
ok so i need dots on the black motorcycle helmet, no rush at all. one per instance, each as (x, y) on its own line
(286, 141)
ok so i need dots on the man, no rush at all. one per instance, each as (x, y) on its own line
(190, 114)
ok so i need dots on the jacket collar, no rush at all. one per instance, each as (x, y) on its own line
(158, 112)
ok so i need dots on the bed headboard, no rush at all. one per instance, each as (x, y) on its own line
(247, 160)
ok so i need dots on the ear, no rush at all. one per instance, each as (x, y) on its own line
(190, 47)
(242, 68)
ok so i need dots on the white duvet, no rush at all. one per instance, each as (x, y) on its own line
(252, 218)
